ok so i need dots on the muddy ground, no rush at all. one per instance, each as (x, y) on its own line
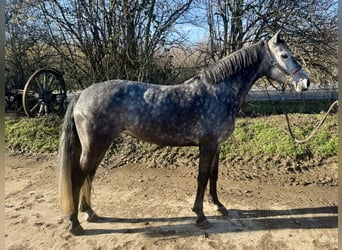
(145, 206)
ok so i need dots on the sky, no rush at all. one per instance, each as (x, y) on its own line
(194, 34)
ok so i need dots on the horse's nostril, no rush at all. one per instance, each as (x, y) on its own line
(305, 83)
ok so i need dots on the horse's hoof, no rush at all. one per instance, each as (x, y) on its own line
(78, 230)
(204, 224)
(223, 211)
(93, 217)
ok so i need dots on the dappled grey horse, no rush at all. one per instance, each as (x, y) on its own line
(200, 112)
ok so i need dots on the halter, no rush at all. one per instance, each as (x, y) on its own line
(276, 65)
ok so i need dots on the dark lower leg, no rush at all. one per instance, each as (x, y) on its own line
(213, 187)
(213, 199)
(77, 181)
(207, 154)
(201, 221)
(75, 227)
(85, 205)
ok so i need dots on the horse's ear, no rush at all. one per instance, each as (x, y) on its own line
(276, 38)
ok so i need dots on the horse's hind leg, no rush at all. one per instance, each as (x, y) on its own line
(77, 179)
(85, 200)
(80, 188)
(90, 159)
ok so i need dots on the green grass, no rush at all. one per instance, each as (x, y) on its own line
(38, 135)
(252, 137)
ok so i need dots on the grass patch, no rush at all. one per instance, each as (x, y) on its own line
(38, 135)
(260, 136)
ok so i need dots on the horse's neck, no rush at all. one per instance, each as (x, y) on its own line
(239, 84)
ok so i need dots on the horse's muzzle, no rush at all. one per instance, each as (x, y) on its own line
(303, 85)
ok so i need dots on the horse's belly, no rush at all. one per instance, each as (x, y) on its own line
(162, 138)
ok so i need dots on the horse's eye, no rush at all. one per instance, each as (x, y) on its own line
(284, 56)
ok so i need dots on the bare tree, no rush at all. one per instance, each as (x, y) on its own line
(111, 39)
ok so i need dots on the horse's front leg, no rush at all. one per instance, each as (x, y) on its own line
(213, 186)
(207, 155)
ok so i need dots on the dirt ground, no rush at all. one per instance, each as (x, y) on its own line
(144, 207)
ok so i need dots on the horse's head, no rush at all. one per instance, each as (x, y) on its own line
(285, 69)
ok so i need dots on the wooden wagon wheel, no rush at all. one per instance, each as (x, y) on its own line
(44, 93)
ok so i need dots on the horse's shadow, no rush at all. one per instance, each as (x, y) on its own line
(237, 221)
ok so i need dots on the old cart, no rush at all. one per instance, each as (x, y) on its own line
(43, 93)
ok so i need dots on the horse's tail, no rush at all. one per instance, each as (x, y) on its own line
(69, 153)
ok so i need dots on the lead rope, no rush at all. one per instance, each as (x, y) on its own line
(315, 129)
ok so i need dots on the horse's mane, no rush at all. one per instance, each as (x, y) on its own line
(232, 64)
